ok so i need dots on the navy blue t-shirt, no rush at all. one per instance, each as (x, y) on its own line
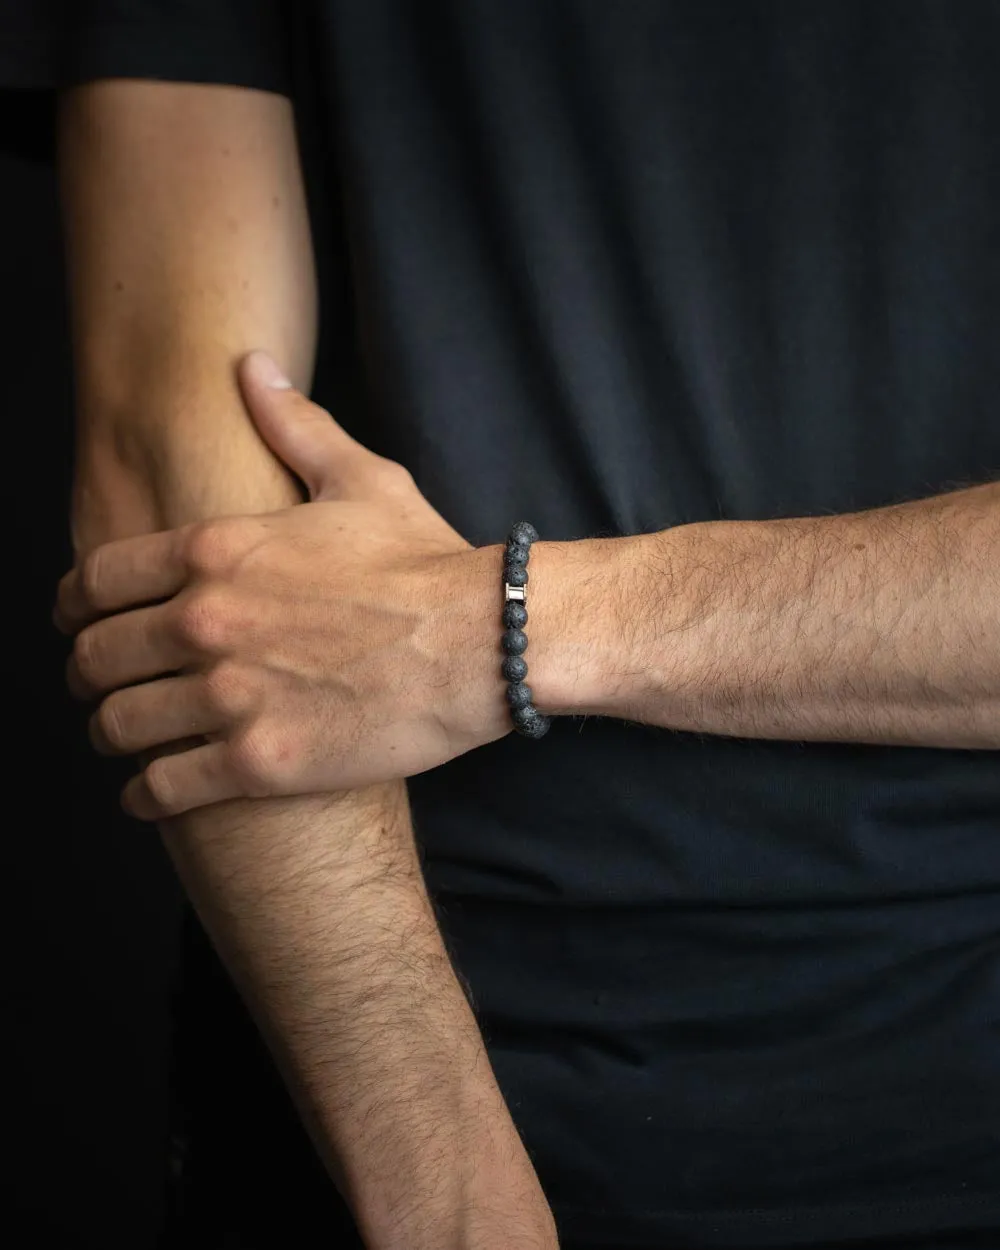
(617, 266)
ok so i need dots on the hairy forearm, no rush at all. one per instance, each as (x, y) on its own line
(375, 1036)
(318, 908)
(871, 627)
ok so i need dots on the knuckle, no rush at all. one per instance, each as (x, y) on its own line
(257, 761)
(202, 619)
(112, 723)
(227, 689)
(199, 546)
(91, 576)
(391, 476)
(307, 409)
(87, 657)
(212, 546)
(161, 787)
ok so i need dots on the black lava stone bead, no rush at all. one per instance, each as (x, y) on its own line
(514, 668)
(515, 575)
(516, 553)
(515, 615)
(518, 694)
(523, 532)
(514, 641)
(530, 722)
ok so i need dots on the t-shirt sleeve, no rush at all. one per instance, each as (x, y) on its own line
(58, 43)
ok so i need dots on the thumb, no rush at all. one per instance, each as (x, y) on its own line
(300, 433)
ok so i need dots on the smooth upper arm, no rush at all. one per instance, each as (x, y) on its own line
(188, 245)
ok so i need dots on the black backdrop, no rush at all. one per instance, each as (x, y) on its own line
(91, 907)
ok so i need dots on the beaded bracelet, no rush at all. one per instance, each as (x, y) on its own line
(526, 717)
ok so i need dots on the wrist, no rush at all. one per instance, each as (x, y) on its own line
(475, 1199)
(452, 1173)
(565, 582)
(589, 604)
(596, 610)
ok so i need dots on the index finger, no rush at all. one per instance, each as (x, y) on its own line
(119, 575)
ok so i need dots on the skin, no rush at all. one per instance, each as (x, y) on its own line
(354, 639)
(188, 245)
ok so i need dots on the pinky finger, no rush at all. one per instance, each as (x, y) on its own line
(173, 784)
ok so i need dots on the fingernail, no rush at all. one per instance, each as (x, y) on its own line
(269, 373)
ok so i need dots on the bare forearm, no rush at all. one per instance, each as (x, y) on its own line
(375, 1036)
(871, 627)
(318, 908)
(304, 898)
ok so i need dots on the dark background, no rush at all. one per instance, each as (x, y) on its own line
(92, 908)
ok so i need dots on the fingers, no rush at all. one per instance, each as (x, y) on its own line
(120, 575)
(123, 650)
(300, 433)
(174, 784)
(158, 712)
